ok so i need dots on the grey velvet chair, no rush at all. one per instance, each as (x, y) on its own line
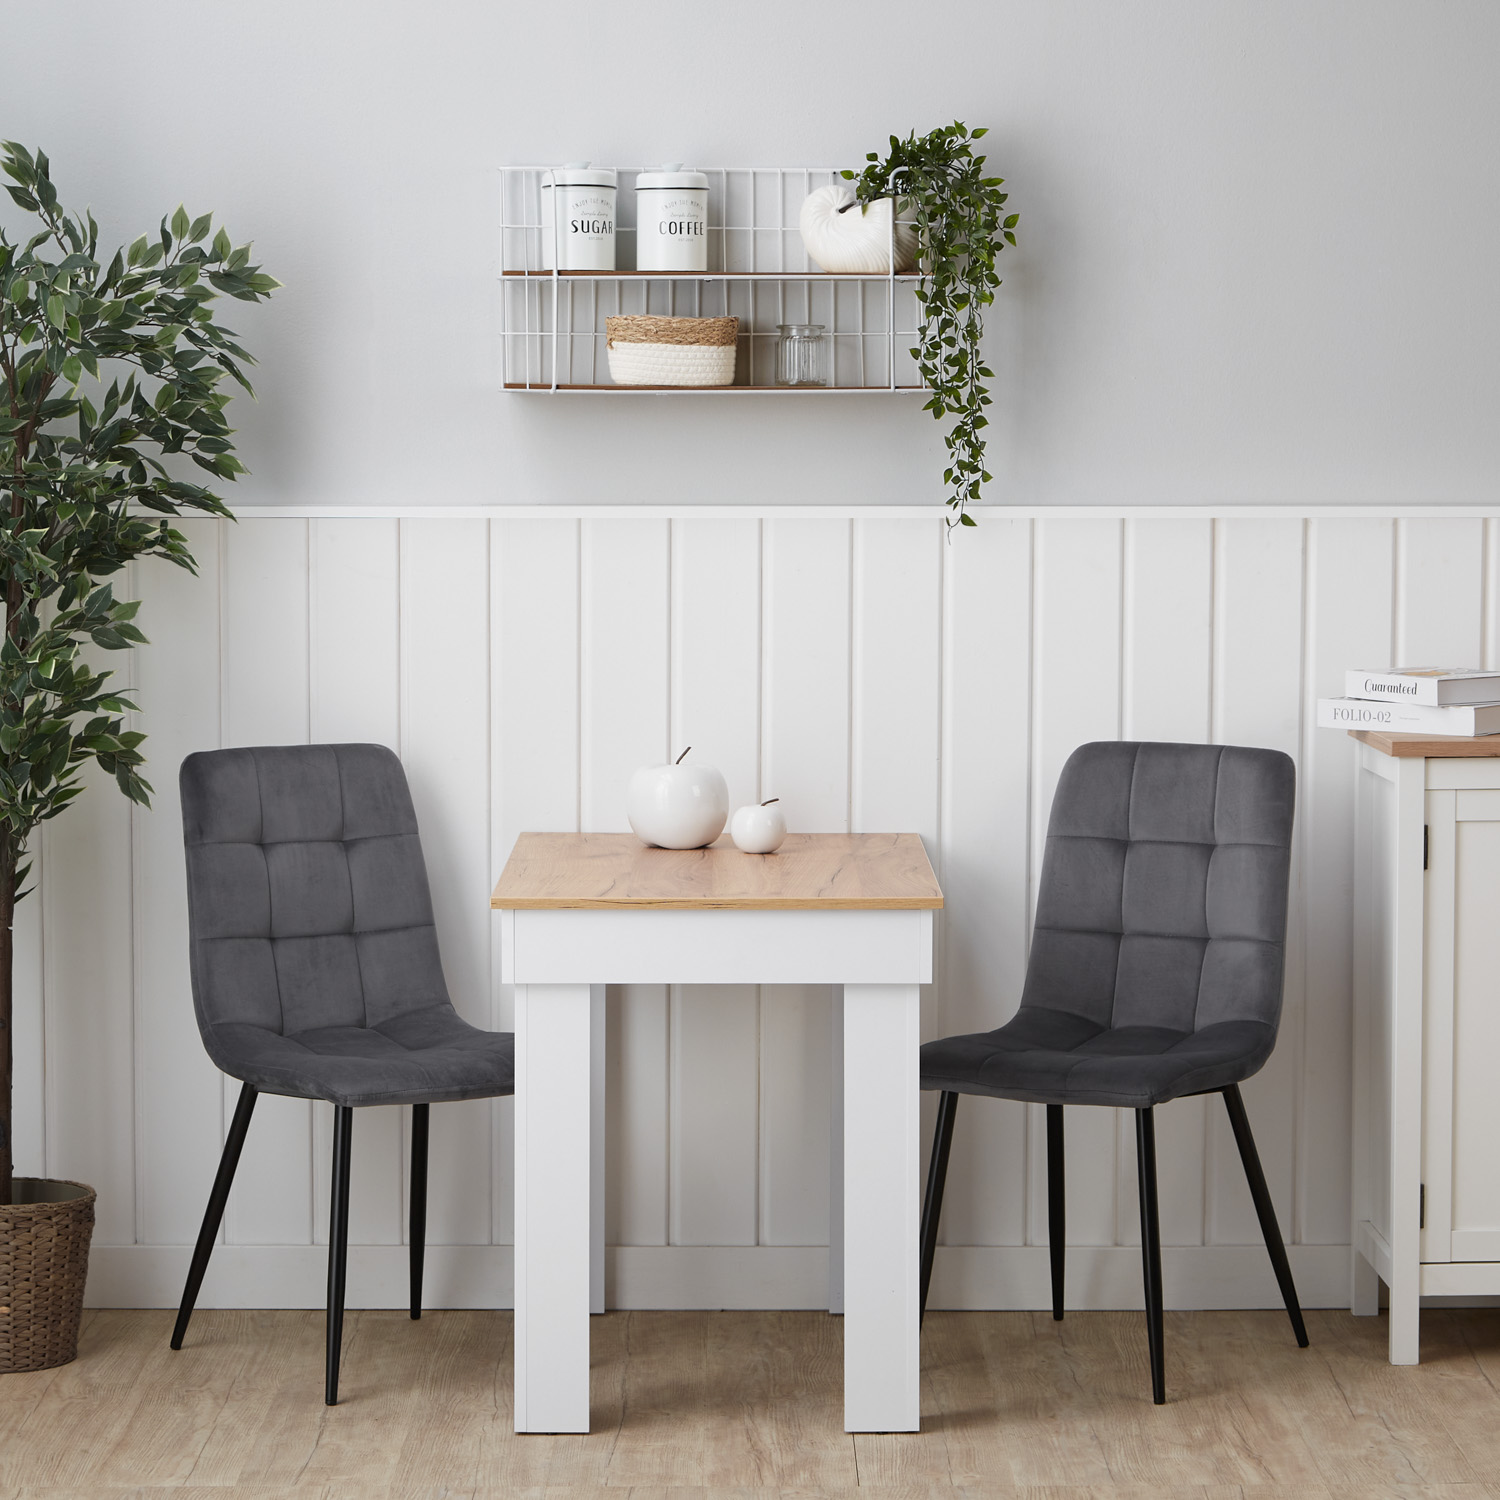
(1155, 972)
(315, 967)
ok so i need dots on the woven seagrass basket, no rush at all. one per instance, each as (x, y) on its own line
(44, 1261)
(672, 351)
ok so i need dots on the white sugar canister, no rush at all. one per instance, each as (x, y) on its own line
(671, 219)
(578, 213)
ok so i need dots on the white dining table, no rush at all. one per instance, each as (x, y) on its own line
(579, 911)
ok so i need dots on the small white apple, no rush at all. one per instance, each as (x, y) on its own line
(677, 806)
(758, 830)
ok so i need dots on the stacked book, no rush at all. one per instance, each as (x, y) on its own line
(1417, 700)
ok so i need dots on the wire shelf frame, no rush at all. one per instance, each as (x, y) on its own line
(552, 322)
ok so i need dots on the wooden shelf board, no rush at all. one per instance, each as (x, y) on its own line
(720, 390)
(1433, 746)
(903, 276)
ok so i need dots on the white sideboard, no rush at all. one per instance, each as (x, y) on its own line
(1426, 1201)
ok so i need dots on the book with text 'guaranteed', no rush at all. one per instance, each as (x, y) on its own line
(1431, 685)
(1409, 718)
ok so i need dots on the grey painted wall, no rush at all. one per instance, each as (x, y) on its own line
(1258, 240)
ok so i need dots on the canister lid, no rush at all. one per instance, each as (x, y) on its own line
(581, 174)
(672, 175)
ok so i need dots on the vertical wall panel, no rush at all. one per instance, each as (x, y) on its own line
(986, 856)
(1165, 695)
(89, 1083)
(179, 1094)
(713, 1190)
(445, 727)
(29, 1097)
(715, 691)
(897, 681)
(1439, 591)
(796, 1071)
(534, 736)
(1490, 654)
(715, 1063)
(1348, 625)
(804, 761)
(354, 694)
(265, 625)
(805, 688)
(1075, 698)
(637, 1144)
(625, 662)
(624, 695)
(1258, 701)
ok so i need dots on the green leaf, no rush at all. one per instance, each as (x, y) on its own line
(180, 222)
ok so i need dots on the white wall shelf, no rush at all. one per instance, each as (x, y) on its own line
(553, 323)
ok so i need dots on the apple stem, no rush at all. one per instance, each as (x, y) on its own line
(770, 800)
(682, 757)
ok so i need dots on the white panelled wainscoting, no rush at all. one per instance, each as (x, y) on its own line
(850, 661)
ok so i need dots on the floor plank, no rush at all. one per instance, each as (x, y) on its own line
(748, 1406)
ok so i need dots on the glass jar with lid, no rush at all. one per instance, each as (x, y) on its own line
(804, 354)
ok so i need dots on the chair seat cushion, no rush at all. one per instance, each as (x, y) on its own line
(1047, 1056)
(425, 1056)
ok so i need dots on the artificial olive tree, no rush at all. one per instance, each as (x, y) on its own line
(110, 375)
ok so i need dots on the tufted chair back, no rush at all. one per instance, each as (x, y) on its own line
(308, 905)
(1163, 894)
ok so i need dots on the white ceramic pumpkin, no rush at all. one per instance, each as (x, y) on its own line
(843, 236)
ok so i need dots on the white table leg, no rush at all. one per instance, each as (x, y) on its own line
(881, 1185)
(836, 1163)
(596, 1148)
(553, 1196)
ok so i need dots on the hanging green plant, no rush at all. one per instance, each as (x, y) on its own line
(939, 184)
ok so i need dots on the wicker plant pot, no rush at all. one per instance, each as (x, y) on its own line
(672, 351)
(44, 1261)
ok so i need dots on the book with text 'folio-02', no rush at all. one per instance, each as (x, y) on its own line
(1431, 685)
(1409, 718)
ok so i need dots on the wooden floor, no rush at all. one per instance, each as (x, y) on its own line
(708, 1406)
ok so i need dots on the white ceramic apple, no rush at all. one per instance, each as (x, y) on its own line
(758, 830)
(677, 806)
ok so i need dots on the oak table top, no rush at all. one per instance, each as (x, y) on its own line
(810, 872)
(1441, 746)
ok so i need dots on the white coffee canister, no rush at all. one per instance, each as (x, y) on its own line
(578, 213)
(671, 220)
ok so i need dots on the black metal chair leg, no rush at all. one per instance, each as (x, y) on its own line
(1264, 1209)
(937, 1173)
(1057, 1208)
(213, 1215)
(1145, 1156)
(338, 1246)
(417, 1233)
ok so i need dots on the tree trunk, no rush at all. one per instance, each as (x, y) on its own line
(7, 1054)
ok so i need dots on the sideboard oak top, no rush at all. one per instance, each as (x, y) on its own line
(1432, 746)
(810, 872)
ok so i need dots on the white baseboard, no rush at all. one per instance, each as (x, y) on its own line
(971, 1278)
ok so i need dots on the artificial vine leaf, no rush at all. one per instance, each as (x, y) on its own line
(939, 182)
